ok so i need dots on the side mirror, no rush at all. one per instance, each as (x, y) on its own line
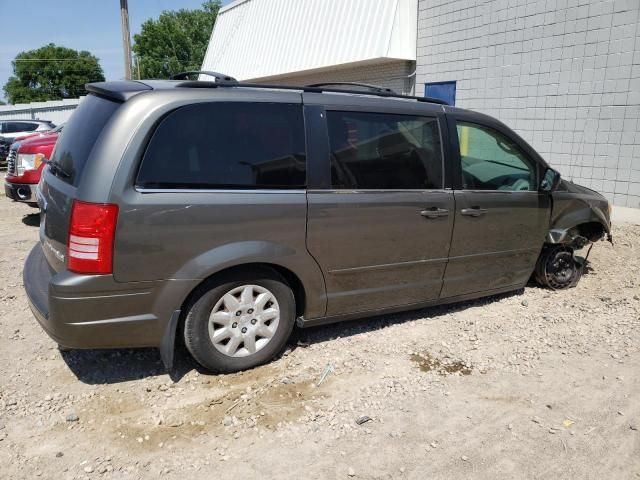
(550, 180)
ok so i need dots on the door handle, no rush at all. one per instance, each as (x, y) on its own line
(434, 212)
(473, 211)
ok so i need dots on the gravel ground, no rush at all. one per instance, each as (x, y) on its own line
(535, 384)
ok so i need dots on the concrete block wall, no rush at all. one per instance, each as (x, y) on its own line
(565, 74)
(396, 75)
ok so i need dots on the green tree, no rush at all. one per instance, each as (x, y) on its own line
(51, 73)
(176, 42)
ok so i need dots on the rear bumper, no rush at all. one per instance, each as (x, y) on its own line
(84, 311)
(21, 192)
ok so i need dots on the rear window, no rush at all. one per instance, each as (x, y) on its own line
(79, 135)
(228, 146)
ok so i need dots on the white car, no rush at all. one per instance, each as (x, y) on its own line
(10, 129)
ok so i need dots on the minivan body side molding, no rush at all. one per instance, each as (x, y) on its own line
(369, 268)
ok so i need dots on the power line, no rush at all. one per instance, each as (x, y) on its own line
(51, 59)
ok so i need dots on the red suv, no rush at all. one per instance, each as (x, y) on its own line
(25, 162)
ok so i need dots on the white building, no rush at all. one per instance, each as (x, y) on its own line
(301, 42)
(565, 74)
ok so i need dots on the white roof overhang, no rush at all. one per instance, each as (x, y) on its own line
(269, 38)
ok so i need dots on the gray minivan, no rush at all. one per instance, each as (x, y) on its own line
(225, 213)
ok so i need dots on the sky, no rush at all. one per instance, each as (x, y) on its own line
(92, 25)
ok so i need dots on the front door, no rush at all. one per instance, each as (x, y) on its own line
(381, 231)
(501, 219)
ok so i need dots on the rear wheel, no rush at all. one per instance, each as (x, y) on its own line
(240, 321)
(557, 268)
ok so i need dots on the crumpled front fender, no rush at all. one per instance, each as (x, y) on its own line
(573, 207)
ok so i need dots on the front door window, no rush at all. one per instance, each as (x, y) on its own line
(490, 161)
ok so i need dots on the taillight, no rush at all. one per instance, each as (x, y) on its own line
(91, 234)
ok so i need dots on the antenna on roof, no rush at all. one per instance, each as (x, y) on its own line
(220, 77)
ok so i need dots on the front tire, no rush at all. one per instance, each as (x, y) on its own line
(239, 321)
(557, 268)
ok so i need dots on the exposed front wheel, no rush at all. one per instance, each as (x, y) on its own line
(240, 321)
(557, 268)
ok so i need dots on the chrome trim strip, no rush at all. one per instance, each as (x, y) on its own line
(379, 190)
(214, 190)
(499, 191)
(298, 191)
(12, 168)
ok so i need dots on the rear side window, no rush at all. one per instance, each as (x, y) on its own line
(79, 135)
(384, 151)
(27, 127)
(228, 146)
(16, 127)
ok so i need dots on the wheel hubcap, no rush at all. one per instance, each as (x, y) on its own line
(244, 320)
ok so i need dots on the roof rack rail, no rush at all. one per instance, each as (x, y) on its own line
(309, 89)
(220, 77)
(371, 88)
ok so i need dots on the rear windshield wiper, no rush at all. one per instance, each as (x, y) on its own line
(57, 169)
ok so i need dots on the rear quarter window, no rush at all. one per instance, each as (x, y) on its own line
(227, 145)
(79, 136)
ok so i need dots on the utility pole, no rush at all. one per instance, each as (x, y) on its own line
(126, 39)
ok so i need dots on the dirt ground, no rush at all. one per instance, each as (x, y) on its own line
(535, 384)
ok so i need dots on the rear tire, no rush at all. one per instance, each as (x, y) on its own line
(240, 320)
(557, 268)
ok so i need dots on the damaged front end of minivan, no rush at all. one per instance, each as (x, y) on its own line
(580, 217)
